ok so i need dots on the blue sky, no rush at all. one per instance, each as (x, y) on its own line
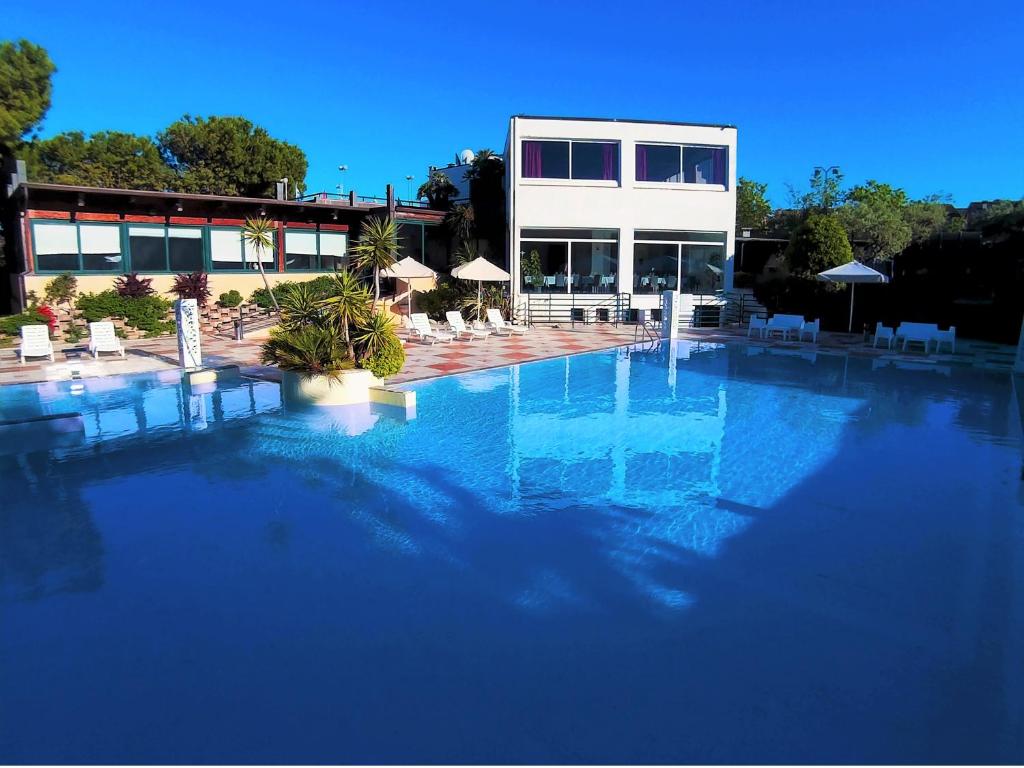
(927, 96)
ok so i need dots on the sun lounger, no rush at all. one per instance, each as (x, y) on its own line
(784, 324)
(421, 328)
(497, 322)
(35, 342)
(460, 329)
(922, 332)
(103, 338)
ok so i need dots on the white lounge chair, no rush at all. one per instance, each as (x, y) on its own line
(497, 322)
(922, 332)
(35, 342)
(103, 338)
(421, 328)
(811, 329)
(758, 324)
(883, 333)
(460, 329)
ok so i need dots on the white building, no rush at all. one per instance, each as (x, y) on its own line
(608, 214)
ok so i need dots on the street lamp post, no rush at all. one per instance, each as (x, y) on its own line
(823, 173)
(341, 187)
(408, 187)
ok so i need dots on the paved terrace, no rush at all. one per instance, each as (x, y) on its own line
(426, 361)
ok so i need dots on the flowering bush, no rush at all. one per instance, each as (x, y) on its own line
(48, 315)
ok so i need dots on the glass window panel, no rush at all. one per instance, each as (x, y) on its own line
(680, 236)
(333, 250)
(546, 159)
(226, 249)
(185, 249)
(704, 165)
(702, 268)
(655, 267)
(101, 248)
(56, 247)
(300, 250)
(595, 267)
(571, 234)
(595, 160)
(267, 255)
(543, 267)
(656, 162)
(410, 241)
(148, 249)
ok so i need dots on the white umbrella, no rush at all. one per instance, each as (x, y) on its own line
(854, 272)
(406, 269)
(481, 270)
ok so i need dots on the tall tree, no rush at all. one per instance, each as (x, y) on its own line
(818, 244)
(25, 88)
(874, 216)
(438, 190)
(486, 176)
(106, 159)
(826, 191)
(229, 156)
(752, 206)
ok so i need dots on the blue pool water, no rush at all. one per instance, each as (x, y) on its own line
(689, 554)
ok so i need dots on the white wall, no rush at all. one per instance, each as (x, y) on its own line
(625, 205)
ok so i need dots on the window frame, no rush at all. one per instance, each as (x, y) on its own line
(679, 243)
(79, 270)
(570, 179)
(319, 253)
(569, 242)
(241, 244)
(707, 187)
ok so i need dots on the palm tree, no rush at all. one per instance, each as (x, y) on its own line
(349, 302)
(461, 222)
(258, 231)
(438, 190)
(377, 249)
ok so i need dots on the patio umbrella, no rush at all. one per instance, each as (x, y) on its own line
(406, 269)
(481, 270)
(854, 272)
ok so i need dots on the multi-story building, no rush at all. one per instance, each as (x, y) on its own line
(611, 213)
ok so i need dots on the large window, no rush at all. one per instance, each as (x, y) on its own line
(692, 262)
(595, 160)
(86, 247)
(308, 250)
(229, 253)
(165, 249)
(569, 260)
(425, 243)
(675, 163)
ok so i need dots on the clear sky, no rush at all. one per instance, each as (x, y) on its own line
(924, 95)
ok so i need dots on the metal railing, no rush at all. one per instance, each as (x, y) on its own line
(741, 307)
(254, 324)
(577, 308)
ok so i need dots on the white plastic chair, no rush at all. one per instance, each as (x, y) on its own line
(497, 322)
(35, 342)
(421, 327)
(758, 324)
(811, 329)
(103, 338)
(460, 329)
(883, 333)
(948, 337)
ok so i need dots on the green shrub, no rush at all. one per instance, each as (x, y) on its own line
(11, 324)
(387, 360)
(310, 350)
(73, 334)
(61, 289)
(442, 299)
(230, 299)
(146, 313)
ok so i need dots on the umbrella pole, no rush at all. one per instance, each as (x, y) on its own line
(408, 299)
(479, 299)
(853, 288)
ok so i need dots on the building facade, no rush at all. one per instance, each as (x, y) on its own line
(614, 212)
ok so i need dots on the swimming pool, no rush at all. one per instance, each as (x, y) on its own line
(688, 553)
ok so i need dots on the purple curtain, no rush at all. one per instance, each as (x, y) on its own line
(641, 162)
(718, 166)
(608, 172)
(532, 168)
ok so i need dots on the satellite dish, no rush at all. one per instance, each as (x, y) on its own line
(467, 156)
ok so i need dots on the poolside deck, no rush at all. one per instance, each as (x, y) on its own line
(426, 361)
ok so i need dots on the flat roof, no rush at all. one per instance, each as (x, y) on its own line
(625, 120)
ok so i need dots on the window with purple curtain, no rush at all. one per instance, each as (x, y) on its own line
(545, 159)
(658, 162)
(598, 160)
(532, 160)
(641, 162)
(705, 165)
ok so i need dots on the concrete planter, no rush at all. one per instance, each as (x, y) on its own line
(351, 388)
